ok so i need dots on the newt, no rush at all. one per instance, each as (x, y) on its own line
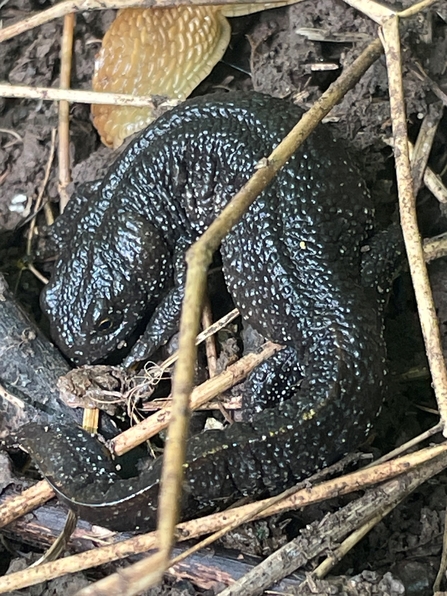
(304, 266)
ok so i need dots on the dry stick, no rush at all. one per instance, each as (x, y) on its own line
(12, 133)
(22, 504)
(262, 505)
(415, 8)
(434, 430)
(110, 585)
(151, 375)
(338, 486)
(90, 418)
(424, 142)
(210, 342)
(381, 13)
(198, 258)
(203, 335)
(435, 248)
(348, 544)
(226, 403)
(64, 111)
(404, 486)
(64, 8)
(432, 181)
(418, 269)
(79, 96)
(417, 69)
(415, 253)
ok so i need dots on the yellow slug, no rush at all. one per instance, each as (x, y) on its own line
(159, 51)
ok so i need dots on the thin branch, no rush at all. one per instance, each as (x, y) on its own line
(410, 229)
(64, 111)
(80, 96)
(64, 8)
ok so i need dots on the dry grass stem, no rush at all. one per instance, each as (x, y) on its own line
(31, 498)
(210, 343)
(435, 248)
(375, 11)
(408, 445)
(64, 111)
(424, 142)
(407, 204)
(415, 8)
(432, 181)
(357, 517)
(80, 96)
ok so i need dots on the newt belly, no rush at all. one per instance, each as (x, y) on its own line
(303, 267)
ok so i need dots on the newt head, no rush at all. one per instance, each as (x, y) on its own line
(103, 285)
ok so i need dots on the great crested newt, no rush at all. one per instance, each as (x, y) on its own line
(304, 267)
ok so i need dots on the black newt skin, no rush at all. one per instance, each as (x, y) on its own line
(293, 266)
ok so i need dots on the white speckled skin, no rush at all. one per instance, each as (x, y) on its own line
(293, 266)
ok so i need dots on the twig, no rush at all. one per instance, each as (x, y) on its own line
(203, 335)
(64, 111)
(432, 181)
(408, 445)
(31, 498)
(79, 96)
(64, 8)
(418, 70)
(210, 343)
(13, 133)
(137, 572)
(424, 142)
(435, 248)
(402, 489)
(415, 253)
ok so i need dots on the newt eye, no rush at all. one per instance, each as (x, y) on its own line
(105, 324)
